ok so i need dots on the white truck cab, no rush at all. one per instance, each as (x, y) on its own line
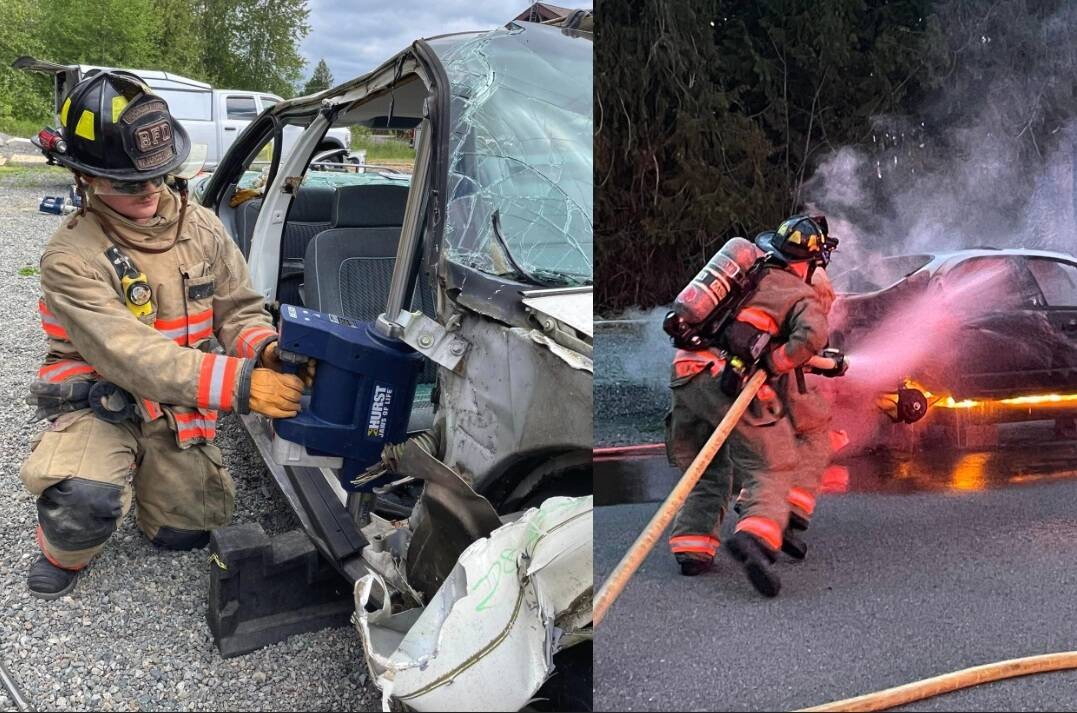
(212, 117)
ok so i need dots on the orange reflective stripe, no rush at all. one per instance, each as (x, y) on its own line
(166, 324)
(200, 431)
(250, 337)
(192, 425)
(758, 319)
(55, 331)
(203, 333)
(153, 409)
(838, 440)
(50, 324)
(766, 393)
(39, 535)
(63, 370)
(216, 378)
(200, 326)
(200, 317)
(697, 544)
(682, 369)
(802, 499)
(764, 528)
(835, 479)
(688, 363)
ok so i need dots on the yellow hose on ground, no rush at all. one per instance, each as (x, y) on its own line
(946, 683)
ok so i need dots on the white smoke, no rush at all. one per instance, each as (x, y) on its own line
(969, 170)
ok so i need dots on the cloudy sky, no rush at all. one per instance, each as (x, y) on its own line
(355, 36)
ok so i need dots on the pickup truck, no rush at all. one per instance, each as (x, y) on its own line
(212, 117)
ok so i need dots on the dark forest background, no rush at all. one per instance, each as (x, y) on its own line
(713, 119)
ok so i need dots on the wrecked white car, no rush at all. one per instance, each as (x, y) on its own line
(450, 317)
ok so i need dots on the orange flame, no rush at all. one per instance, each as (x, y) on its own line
(1033, 400)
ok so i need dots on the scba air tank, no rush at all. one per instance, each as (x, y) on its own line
(724, 278)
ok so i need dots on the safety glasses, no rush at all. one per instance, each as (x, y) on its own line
(129, 188)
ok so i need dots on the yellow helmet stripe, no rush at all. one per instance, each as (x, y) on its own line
(119, 103)
(63, 112)
(85, 125)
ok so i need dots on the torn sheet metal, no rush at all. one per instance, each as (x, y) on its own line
(573, 307)
(486, 640)
(570, 357)
(513, 397)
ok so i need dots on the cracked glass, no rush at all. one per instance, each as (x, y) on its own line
(520, 201)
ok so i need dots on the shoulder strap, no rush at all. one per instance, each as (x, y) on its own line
(121, 263)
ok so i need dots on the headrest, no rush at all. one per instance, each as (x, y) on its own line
(370, 206)
(313, 204)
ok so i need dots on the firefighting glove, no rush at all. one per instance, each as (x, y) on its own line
(270, 359)
(840, 364)
(275, 395)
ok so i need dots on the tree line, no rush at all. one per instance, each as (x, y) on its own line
(712, 116)
(239, 44)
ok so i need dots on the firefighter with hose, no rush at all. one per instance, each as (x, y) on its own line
(153, 329)
(750, 307)
(810, 414)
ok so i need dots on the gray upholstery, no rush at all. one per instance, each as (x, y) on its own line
(246, 217)
(369, 206)
(349, 267)
(356, 261)
(310, 214)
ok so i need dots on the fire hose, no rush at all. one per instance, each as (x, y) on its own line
(13, 690)
(616, 582)
(955, 681)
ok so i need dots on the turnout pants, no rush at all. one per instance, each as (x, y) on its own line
(759, 454)
(813, 456)
(85, 473)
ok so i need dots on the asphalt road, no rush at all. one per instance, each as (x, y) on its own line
(899, 585)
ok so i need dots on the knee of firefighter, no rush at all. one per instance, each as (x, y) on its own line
(77, 513)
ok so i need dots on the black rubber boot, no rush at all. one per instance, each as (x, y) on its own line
(757, 559)
(738, 502)
(47, 581)
(797, 522)
(692, 566)
(793, 545)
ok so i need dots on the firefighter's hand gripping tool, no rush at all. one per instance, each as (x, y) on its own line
(831, 364)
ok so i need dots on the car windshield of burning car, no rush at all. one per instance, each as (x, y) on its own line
(520, 162)
(880, 273)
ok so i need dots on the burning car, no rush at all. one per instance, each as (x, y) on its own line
(442, 467)
(963, 338)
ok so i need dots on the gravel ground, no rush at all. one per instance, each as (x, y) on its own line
(133, 634)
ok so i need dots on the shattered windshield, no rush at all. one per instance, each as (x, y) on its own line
(520, 163)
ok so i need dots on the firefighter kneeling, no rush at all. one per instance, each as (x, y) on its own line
(153, 329)
(752, 307)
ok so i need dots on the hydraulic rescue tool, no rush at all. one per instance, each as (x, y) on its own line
(362, 395)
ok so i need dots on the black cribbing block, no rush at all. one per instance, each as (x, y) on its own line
(262, 590)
